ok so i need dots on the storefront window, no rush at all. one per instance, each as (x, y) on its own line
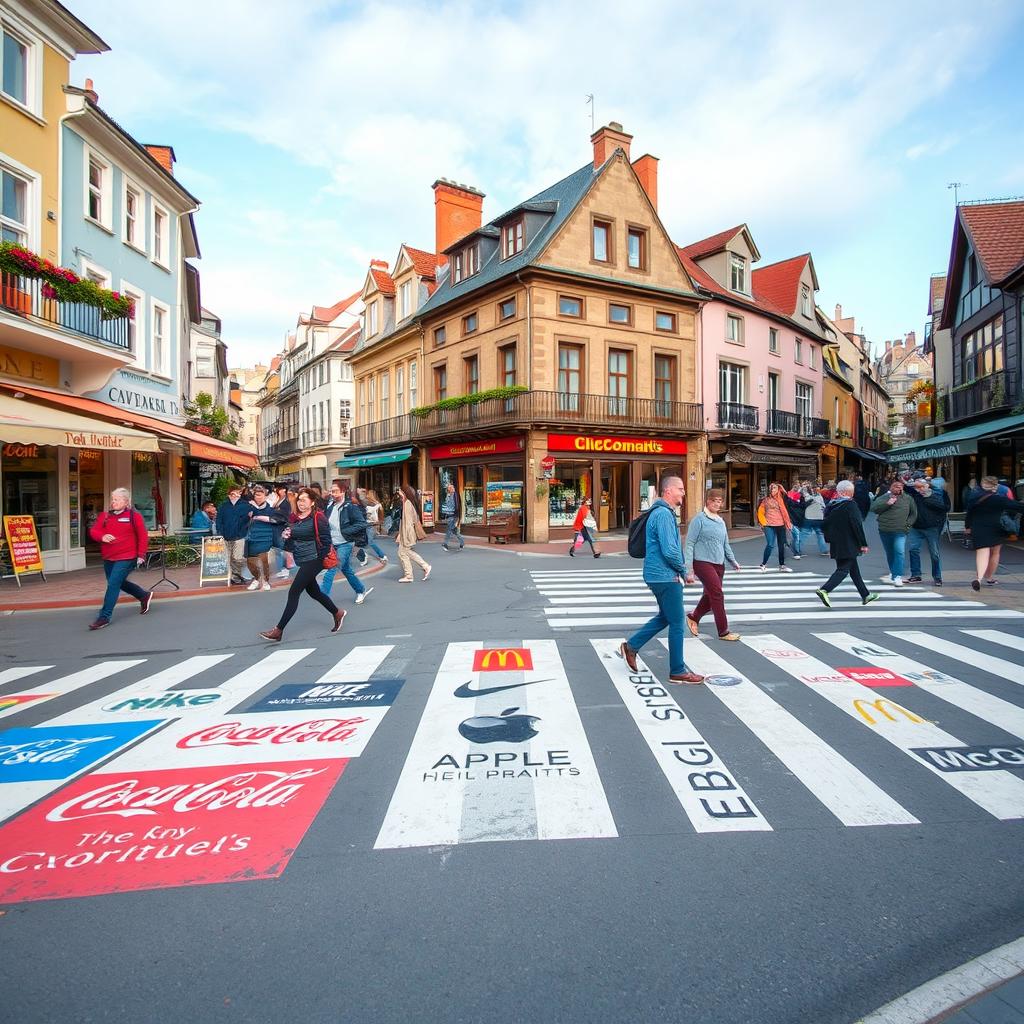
(566, 491)
(74, 502)
(29, 474)
(473, 495)
(150, 487)
(504, 489)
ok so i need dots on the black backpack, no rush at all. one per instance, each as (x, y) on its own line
(637, 543)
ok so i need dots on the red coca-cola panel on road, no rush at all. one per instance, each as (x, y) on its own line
(154, 829)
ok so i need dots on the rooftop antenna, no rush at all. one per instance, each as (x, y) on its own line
(589, 99)
(956, 186)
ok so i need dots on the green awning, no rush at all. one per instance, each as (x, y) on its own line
(955, 442)
(374, 459)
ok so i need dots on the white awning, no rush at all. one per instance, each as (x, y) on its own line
(25, 422)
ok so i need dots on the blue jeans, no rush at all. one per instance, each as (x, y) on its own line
(773, 535)
(670, 613)
(918, 536)
(344, 552)
(815, 527)
(895, 545)
(451, 529)
(373, 545)
(795, 539)
(117, 580)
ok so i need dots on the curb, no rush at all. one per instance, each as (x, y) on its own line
(936, 1000)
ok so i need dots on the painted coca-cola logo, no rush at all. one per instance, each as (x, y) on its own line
(127, 798)
(236, 734)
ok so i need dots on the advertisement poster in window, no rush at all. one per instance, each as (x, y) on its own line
(504, 495)
(427, 505)
(23, 544)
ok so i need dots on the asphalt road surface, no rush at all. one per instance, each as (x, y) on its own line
(464, 807)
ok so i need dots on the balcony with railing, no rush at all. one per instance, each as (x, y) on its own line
(311, 438)
(997, 391)
(876, 441)
(286, 446)
(573, 410)
(735, 416)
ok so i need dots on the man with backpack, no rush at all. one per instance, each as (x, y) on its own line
(664, 572)
(347, 519)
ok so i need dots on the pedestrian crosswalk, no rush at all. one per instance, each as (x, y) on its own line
(619, 598)
(500, 743)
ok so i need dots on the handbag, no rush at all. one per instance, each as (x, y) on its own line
(578, 542)
(590, 523)
(331, 558)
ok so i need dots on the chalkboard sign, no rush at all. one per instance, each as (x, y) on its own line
(215, 566)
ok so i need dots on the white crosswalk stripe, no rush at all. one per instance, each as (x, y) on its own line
(977, 659)
(620, 598)
(9, 675)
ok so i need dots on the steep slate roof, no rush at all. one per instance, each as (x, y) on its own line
(997, 231)
(326, 314)
(707, 246)
(777, 283)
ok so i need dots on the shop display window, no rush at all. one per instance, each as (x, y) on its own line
(567, 489)
(29, 478)
(504, 489)
(473, 495)
(150, 487)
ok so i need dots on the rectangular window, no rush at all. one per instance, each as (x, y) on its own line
(457, 260)
(804, 400)
(472, 260)
(385, 395)
(161, 341)
(773, 340)
(440, 336)
(14, 207)
(805, 300)
(569, 305)
(412, 385)
(737, 273)
(636, 248)
(471, 375)
(205, 362)
(362, 402)
(835, 414)
(137, 325)
(399, 390)
(512, 238)
(371, 319)
(798, 351)
(619, 314)
(732, 383)
(372, 400)
(440, 382)
(811, 356)
(618, 382)
(568, 488)
(507, 309)
(984, 351)
(469, 323)
(734, 329)
(15, 68)
(132, 212)
(507, 365)
(97, 188)
(570, 367)
(160, 238)
(602, 244)
(773, 390)
(664, 384)
(404, 299)
(665, 322)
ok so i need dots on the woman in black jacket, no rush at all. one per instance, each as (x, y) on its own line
(843, 527)
(308, 536)
(982, 524)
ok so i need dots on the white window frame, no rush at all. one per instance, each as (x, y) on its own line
(812, 361)
(385, 395)
(161, 367)
(137, 329)
(413, 383)
(139, 242)
(805, 300)
(730, 320)
(404, 299)
(95, 272)
(32, 180)
(371, 399)
(773, 336)
(371, 319)
(399, 390)
(729, 372)
(211, 351)
(737, 264)
(160, 259)
(106, 191)
(33, 103)
(798, 351)
(809, 396)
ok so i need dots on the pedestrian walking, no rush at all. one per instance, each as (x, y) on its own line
(773, 517)
(795, 507)
(896, 513)
(264, 522)
(707, 550)
(451, 512)
(843, 526)
(280, 501)
(348, 527)
(121, 534)
(987, 535)
(932, 505)
(372, 511)
(585, 526)
(232, 525)
(814, 515)
(308, 537)
(862, 495)
(410, 530)
(203, 520)
(664, 572)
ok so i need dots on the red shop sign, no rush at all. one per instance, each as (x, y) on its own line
(498, 446)
(611, 445)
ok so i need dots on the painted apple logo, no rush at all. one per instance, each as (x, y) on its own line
(504, 728)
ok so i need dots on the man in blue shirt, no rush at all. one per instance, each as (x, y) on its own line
(664, 571)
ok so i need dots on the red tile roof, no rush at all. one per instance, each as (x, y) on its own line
(425, 263)
(708, 283)
(997, 231)
(347, 341)
(326, 314)
(779, 283)
(707, 246)
(383, 280)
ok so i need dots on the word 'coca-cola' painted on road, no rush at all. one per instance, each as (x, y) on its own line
(237, 734)
(150, 830)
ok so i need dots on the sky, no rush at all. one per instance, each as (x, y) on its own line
(312, 131)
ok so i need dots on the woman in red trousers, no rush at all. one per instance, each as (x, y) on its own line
(707, 550)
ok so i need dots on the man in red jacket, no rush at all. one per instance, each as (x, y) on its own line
(121, 534)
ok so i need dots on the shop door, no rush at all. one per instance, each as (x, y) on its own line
(94, 495)
(614, 511)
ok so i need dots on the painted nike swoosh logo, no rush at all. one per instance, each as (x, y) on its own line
(465, 691)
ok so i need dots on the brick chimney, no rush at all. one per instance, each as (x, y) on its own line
(911, 340)
(839, 312)
(607, 139)
(93, 95)
(164, 156)
(379, 264)
(646, 168)
(458, 210)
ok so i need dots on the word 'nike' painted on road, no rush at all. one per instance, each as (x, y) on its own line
(465, 691)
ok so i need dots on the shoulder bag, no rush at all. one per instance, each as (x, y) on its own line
(331, 558)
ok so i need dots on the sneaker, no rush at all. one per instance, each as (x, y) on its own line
(823, 597)
(885, 579)
(282, 575)
(383, 560)
(445, 546)
(361, 557)
(764, 568)
(784, 568)
(146, 602)
(100, 623)
(360, 598)
(936, 583)
(869, 599)
(255, 585)
(426, 573)
(897, 581)
(914, 579)
(797, 557)
(266, 585)
(991, 583)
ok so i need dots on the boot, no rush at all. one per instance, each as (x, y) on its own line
(272, 634)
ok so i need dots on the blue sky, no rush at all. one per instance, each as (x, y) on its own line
(312, 131)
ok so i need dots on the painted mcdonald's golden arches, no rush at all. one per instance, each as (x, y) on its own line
(503, 659)
(879, 706)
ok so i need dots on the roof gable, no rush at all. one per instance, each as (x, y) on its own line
(422, 262)
(997, 232)
(378, 280)
(779, 283)
(716, 243)
(327, 314)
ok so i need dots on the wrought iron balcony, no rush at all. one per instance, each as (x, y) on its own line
(996, 391)
(279, 449)
(876, 441)
(315, 437)
(734, 416)
(781, 422)
(816, 427)
(396, 430)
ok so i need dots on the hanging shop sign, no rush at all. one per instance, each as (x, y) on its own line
(499, 446)
(602, 444)
(23, 544)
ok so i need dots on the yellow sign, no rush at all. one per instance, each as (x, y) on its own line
(29, 367)
(23, 544)
(502, 659)
(879, 706)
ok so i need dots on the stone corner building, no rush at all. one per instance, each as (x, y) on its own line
(577, 296)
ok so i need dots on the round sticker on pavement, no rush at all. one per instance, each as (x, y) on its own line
(723, 680)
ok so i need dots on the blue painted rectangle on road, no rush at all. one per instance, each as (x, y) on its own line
(300, 696)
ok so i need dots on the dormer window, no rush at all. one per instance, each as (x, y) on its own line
(805, 300)
(472, 260)
(737, 273)
(513, 237)
(371, 319)
(404, 299)
(465, 263)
